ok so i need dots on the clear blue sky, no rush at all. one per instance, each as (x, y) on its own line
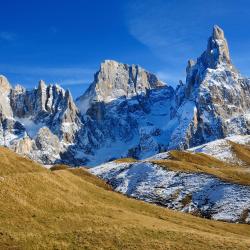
(65, 41)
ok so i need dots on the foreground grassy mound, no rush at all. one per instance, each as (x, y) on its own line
(202, 163)
(71, 209)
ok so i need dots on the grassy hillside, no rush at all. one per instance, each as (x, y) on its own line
(71, 209)
(202, 163)
(242, 152)
(11, 163)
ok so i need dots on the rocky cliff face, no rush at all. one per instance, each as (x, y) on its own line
(128, 111)
(214, 103)
(5, 88)
(48, 105)
(220, 95)
(27, 114)
(115, 80)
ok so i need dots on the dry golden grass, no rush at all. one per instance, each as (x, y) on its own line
(71, 209)
(11, 163)
(196, 158)
(126, 160)
(201, 163)
(83, 173)
(59, 167)
(242, 152)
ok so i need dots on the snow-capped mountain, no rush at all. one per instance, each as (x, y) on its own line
(219, 94)
(40, 122)
(128, 111)
(214, 103)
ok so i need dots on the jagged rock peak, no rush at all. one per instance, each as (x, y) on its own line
(218, 33)
(41, 84)
(68, 95)
(19, 89)
(217, 53)
(5, 90)
(115, 80)
(5, 86)
(135, 75)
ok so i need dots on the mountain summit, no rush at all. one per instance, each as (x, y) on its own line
(128, 111)
(217, 52)
(115, 80)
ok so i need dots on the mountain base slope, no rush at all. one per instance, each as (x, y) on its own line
(71, 209)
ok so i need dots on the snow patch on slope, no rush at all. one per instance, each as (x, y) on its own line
(207, 195)
(222, 149)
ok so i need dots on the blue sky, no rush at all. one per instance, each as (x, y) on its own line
(65, 41)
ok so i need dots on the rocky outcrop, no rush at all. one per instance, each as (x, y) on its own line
(217, 52)
(50, 106)
(44, 148)
(5, 109)
(115, 80)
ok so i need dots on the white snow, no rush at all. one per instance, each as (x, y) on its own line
(221, 149)
(146, 181)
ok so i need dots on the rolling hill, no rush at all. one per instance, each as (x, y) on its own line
(72, 209)
(211, 181)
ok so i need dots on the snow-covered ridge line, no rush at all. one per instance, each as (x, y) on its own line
(195, 193)
(203, 194)
(220, 149)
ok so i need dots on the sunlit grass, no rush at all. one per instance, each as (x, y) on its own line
(242, 152)
(72, 209)
(126, 160)
(201, 163)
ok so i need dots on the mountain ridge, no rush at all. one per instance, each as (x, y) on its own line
(128, 112)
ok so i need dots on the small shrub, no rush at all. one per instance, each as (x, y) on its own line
(186, 200)
(58, 167)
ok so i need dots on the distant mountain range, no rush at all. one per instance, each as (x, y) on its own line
(128, 112)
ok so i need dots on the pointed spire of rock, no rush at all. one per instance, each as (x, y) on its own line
(19, 89)
(4, 85)
(41, 95)
(68, 94)
(41, 85)
(217, 52)
(218, 33)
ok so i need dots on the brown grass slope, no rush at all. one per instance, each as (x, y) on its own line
(71, 209)
(202, 163)
(11, 163)
(126, 160)
(242, 152)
